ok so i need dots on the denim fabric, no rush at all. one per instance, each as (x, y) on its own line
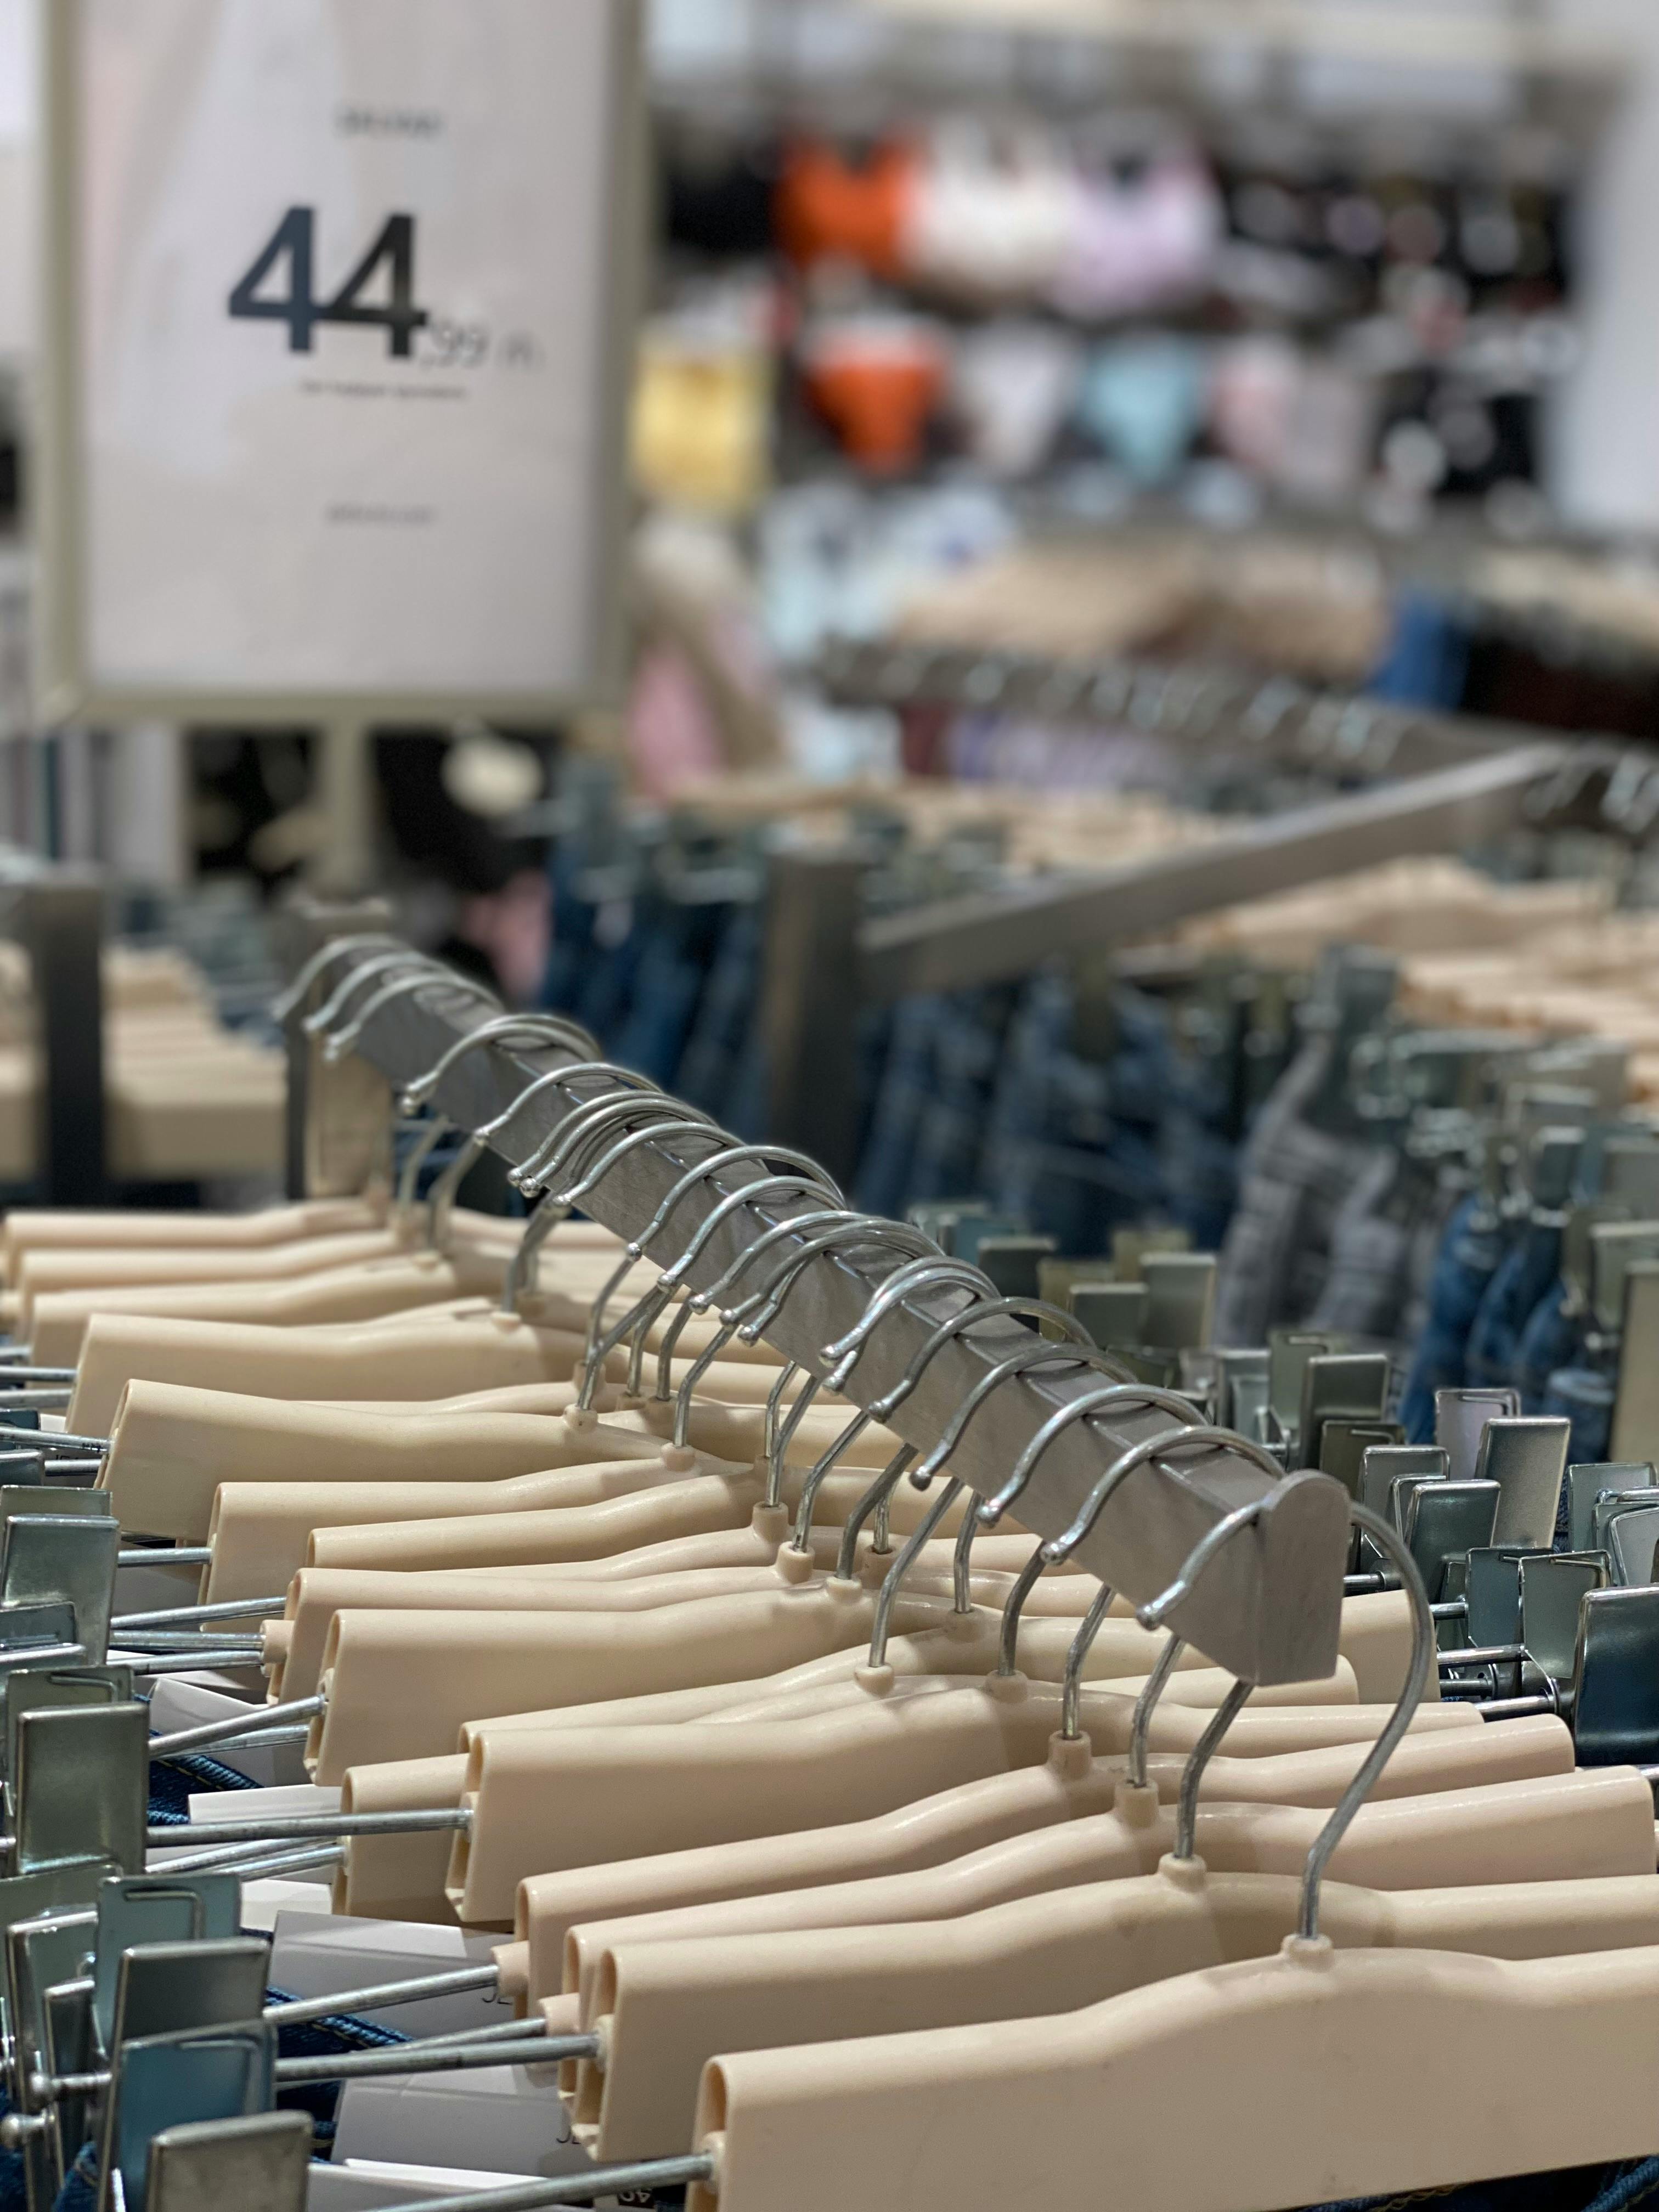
(80, 2190)
(172, 1781)
(1550, 1340)
(1573, 2189)
(723, 1033)
(883, 1177)
(323, 2038)
(1468, 1257)
(13, 2194)
(1520, 1280)
(1637, 2185)
(1295, 1180)
(1369, 1258)
(1585, 1397)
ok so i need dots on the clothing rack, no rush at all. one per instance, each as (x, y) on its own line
(1429, 783)
(1268, 1605)
(56, 913)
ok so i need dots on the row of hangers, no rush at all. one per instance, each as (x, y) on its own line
(847, 1843)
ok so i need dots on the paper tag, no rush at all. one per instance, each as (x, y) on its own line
(313, 1957)
(183, 1701)
(362, 2184)
(497, 2114)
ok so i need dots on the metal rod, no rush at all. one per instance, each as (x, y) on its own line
(180, 1663)
(46, 1399)
(577, 2188)
(181, 1555)
(224, 1609)
(991, 937)
(15, 1376)
(293, 2010)
(527, 2050)
(268, 1720)
(1483, 1654)
(1251, 1614)
(278, 1827)
(249, 1864)
(59, 1441)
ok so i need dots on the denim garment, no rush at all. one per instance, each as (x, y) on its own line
(1468, 1257)
(884, 1171)
(1369, 1258)
(1550, 1339)
(956, 1109)
(1610, 2188)
(724, 1028)
(80, 2190)
(1294, 1181)
(1521, 1278)
(1585, 1397)
(677, 950)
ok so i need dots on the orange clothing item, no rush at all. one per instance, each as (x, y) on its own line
(878, 389)
(827, 208)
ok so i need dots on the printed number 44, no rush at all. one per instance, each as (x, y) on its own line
(294, 240)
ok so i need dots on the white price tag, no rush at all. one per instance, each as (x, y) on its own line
(338, 353)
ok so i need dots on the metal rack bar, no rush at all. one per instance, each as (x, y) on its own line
(60, 923)
(981, 939)
(1267, 1606)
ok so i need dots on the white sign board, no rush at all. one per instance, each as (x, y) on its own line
(338, 335)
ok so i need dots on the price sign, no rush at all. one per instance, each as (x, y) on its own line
(338, 337)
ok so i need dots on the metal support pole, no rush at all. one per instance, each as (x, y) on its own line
(307, 924)
(809, 1003)
(61, 922)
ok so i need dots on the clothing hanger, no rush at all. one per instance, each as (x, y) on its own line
(864, 1757)
(1333, 2021)
(319, 1594)
(662, 2007)
(388, 1284)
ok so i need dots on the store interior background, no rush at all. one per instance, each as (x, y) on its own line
(1353, 382)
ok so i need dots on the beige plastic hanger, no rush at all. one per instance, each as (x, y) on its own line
(469, 1347)
(318, 1594)
(886, 1745)
(568, 1921)
(27, 1229)
(171, 1447)
(109, 1267)
(262, 1533)
(581, 1796)
(399, 1687)
(1283, 2057)
(663, 2008)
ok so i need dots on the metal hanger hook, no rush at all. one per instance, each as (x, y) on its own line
(874, 1500)
(930, 1271)
(693, 1124)
(890, 1400)
(343, 1041)
(1121, 1393)
(909, 1552)
(1058, 1548)
(1039, 1353)
(338, 948)
(548, 1156)
(673, 1276)
(534, 1028)
(1146, 1705)
(865, 1229)
(1185, 1834)
(321, 1020)
(1389, 1541)
(591, 1118)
